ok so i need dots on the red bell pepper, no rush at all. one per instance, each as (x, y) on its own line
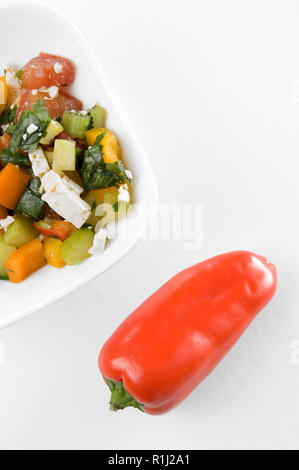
(60, 229)
(173, 341)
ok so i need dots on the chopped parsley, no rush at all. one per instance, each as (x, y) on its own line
(96, 174)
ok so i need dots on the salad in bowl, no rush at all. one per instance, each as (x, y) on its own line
(62, 178)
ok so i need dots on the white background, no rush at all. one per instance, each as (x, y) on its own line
(212, 90)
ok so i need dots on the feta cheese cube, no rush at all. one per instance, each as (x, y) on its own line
(74, 186)
(51, 179)
(39, 162)
(63, 196)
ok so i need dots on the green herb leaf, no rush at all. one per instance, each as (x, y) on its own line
(35, 185)
(19, 73)
(31, 203)
(9, 116)
(96, 174)
(7, 156)
(38, 116)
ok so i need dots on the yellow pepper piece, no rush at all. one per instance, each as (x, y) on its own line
(3, 93)
(52, 252)
(111, 149)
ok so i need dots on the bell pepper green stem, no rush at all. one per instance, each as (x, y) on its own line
(120, 398)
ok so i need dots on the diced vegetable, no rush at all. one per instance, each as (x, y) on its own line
(3, 212)
(75, 249)
(41, 71)
(13, 182)
(5, 252)
(111, 149)
(98, 116)
(96, 174)
(3, 94)
(55, 106)
(107, 215)
(8, 117)
(93, 200)
(64, 155)
(111, 197)
(31, 203)
(53, 130)
(5, 140)
(25, 261)
(59, 228)
(38, 117)
(76, 123)
(20, 232)
(52, 252)
(49, 156)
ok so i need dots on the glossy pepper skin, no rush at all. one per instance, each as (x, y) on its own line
(174, 340)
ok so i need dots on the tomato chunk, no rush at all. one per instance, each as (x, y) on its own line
(4, 144)
(47, 70)
(59, 228)
(55, 106)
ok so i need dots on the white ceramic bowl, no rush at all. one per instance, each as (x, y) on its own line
(27, 29)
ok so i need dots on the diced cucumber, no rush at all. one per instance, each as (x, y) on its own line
(5, 252)
(49, 157)
(110, 197)
(20, 232)
(95, 198)
(91, 199)
(98, 115)
(75, 248)
(31, 203)
(64, 158)
(76, 123)
(53, 129)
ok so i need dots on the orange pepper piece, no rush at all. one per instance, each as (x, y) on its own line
(52, 252)
(25, 261)
(13, 182)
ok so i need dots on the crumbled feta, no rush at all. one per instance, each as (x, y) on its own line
(83, 113)
(123, 194)
(5, 223)
(31, 128)
(25, 136)
(53, 91)
(39, 162)
(34, 92)
(99, 242)
(128, 174)
(58, 67)
(62, 195)
(11, 77)
(5, 127)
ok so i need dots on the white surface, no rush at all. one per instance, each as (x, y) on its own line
(208, 85)
(91, 85)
